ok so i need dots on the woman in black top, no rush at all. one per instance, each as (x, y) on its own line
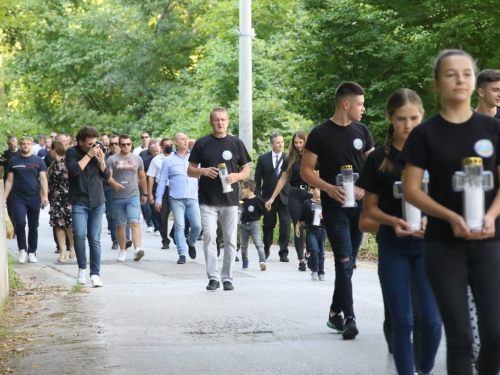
(454, 255)
(401, 251)
(298, 192)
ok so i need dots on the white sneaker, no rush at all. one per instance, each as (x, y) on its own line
(22, 256)
(82, 277)
(96, 281)
(138, 254)
(157, 233)
(322, 277)
(314, 276)
(262, 266)
(151, 229)
(32, 258)
(122, 257)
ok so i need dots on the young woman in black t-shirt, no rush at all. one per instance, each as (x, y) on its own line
(401, 251)
(455, 256)
(298, 192)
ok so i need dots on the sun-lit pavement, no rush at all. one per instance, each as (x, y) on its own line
(155, 317)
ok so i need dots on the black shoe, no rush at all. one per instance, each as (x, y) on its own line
(192, 252)
(228, 285)
(114, 246)
(237, 259)
(336, 322)
(182, 259)
(350, 331)
(58, 251)
(128, 244)
(218, 250)
(165, 247)
(302, 266)
(213, 285)
(284, 258)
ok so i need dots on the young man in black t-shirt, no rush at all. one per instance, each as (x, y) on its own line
(340, 141)
(208, 153)
(488, 90)
(27, 180)
(8, 154)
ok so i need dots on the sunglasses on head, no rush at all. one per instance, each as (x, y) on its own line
(126, 144)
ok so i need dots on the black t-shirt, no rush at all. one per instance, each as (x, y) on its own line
(382, 184)
(336, 146)
(307, 215)
(26, 175)
(294, 179)
(498, 114)
(210, 151)
(4, 160)
(440, 146)
(253, 209)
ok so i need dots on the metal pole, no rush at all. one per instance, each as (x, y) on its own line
(246, 35)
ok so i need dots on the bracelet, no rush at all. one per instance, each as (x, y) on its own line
(88, 155)
(145, 195)
(101, 163)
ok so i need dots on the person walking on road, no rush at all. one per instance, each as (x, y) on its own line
(215, 157)
(126, 173)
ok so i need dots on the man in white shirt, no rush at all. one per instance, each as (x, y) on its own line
(144, 143)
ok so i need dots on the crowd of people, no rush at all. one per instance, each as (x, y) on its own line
(433, 275)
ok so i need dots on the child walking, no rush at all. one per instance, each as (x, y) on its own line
(316, 234)
(253, 208)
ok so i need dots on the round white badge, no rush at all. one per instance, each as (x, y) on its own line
(483, 148)
(227, 155)
(358, 144)
(251, 208)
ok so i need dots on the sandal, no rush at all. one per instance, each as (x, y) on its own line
(72, 254)
(62, 257)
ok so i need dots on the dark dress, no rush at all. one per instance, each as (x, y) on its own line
(60, 208)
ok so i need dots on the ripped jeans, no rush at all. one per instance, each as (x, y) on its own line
(342, 228)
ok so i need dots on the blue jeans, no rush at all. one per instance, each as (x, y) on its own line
(316, 246)
(341, 226)
(251, 228)
(87, 224)
(110, 213)
(190, 208)
(400, 259)
(127, 210)
(27, 207)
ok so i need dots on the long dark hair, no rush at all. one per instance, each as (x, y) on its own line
(398, 99)
(293, 154)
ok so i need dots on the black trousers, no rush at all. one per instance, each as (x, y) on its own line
(296, 197)
(269, 222)
(164, 212)
(450, 268)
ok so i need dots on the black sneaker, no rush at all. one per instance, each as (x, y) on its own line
(350, 331)
(115, 245)
(336, 322)
(284, 258)
(228, 285)
(192, 252)
(165, 247)
(213, 285)
(182, 259)
(302, 266)
(128, 244)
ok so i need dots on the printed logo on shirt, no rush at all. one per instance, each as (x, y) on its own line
(483, 148)
(125, 165)
(227, 155)
(251, 208)
(358, 144)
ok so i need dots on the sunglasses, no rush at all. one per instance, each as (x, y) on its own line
(126, 144)
(113, 143)
(144, 137)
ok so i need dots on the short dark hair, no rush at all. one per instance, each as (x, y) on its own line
(274, 136)
(347, 89)
(164, 140)
(86, 132)
(249, 183)
(123, 136)
(487, 76)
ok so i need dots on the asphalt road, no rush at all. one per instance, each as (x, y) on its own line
(155, 317)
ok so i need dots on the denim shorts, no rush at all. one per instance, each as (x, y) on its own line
(127, 210)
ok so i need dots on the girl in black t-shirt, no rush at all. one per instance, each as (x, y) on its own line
(455, 256)
(401, 251)
(298, 192)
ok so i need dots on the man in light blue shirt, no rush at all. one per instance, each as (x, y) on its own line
(183, 196)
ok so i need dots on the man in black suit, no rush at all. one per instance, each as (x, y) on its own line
(267, 174)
